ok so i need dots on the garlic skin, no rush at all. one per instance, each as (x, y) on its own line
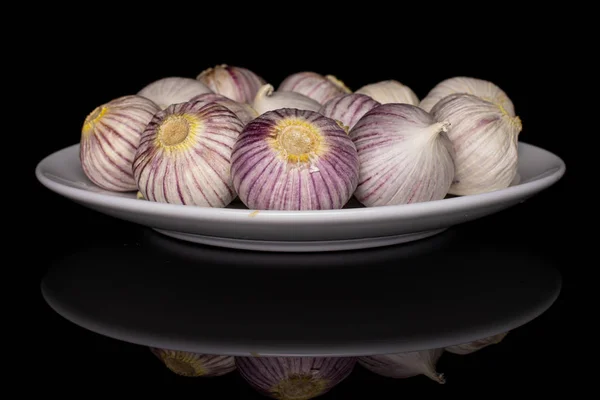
(405, 365)
(390, 91)
(242, 110)
(405, 156)
(292, 159)
(294, 378)
(268, 100)
(316, 86)
(237, 83)
(471, 347)
(348, 108)
(189, 364)
(478, 87)
(485, 140)
(184, 155)
(173, 90)
(109, 140)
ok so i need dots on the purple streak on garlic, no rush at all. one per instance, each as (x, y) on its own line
(390, 91)
(294, 378)
(291, 159)
(237, 83)
(471, 347)
(242, 110)
(184, 155)
(405, 365)
(478, 87)
(109, 139)
(311, 84)
(485, 139)
(173, 90)
(194, 364)
(405, 156)
(348, 108)
(268, 100)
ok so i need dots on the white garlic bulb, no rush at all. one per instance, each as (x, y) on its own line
(348, 108)
(244, 111)
(471, 347)
(268, 100)
(173, 90)
(405, 156)
(316, 86)
(485, 140)
(237, 83)
(477, 87)
(390, 91)
(405, 365)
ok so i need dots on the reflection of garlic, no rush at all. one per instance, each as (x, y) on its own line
(317, 87)
(485, 140)
(390, 91)
(237, 83)
(477, 87)
(348, 108)
(405, 365)
(173, 90)
(189, 364)
(471, 347)
(268, 100)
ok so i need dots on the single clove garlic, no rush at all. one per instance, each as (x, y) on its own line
(243, 111)
(471, 347)
(190, 364)
(348, 108)
(237, 83)
(390, 91)
(173, 90)
(316, 86)
(405, 365)
(268, 100)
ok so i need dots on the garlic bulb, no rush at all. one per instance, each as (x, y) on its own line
(237, 83)
(390, 91)
(268, 100)
(348, 108)
(318, 87)
(291, 159)
(405, 365)
(173, 90)
(184, 155)
(471, 347)
(485, 140)
(294, 378)
(193, 364)
(478, 87)
(405, 156)
(109, 139)
(242, 110)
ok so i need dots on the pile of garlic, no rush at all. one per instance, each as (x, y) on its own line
(309, 144)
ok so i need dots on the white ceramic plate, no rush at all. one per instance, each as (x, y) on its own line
(353, 227)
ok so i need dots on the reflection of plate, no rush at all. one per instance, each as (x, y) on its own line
(351, 228)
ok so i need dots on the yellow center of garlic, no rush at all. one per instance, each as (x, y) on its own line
(176, 131)
(93, 118)
(183, 365)
(298, 387)
(297, 140)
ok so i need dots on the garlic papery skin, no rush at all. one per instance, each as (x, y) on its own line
(243, 111)
(173, 90)
(390, 91)
(485, 139)
(294, 378)
(348, 108)
(184, 155)
(405, 156)
(109, 140)
(268, 100)
(292, 159)
(471, 347)
(237, 83)
(405, 365)
(478, 87)
(316, 86)
(189, 364)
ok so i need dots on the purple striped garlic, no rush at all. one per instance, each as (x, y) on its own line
(390, 91)
(348, 108)
(268, 100)
(294, 378)
(190, 364)
(405, 156)
(476, 345)
(316, 86)
(173, 90)
(292, 159)
(485, 139)
(109, 139)
(184, 155)
(237, 83)
(405, 365)
(242, 110)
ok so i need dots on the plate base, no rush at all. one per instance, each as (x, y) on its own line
(299, 246)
